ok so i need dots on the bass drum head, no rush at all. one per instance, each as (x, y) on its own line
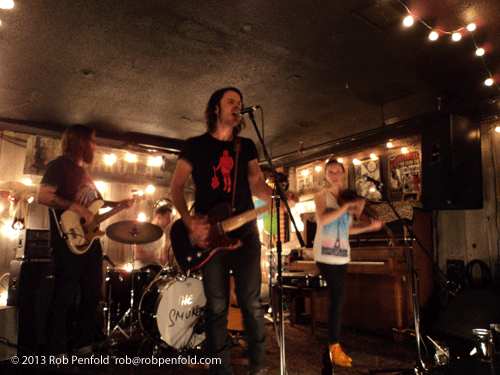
(177, 313)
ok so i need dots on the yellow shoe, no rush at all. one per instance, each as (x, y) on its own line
(338, 356)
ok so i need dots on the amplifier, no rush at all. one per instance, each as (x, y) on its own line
(30, 289)
(8, 332)
(36, 244)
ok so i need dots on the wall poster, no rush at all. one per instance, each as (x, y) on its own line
(367, 189)
(404, 173)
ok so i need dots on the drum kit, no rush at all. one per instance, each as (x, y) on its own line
(165, 304)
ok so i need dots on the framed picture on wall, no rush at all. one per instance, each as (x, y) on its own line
(404, 174)
(367, 189)
(39, 152)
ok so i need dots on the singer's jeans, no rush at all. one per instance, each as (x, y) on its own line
(73, 273)
(245, 264)
(335, 276)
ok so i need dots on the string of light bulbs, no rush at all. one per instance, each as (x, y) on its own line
(456, 35)
(6, 4)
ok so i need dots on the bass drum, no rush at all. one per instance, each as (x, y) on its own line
(172, 309)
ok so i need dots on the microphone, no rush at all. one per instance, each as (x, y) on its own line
(376, 182)
(241, 112)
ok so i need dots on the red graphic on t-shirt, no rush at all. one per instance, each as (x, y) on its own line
(215, 181)
(226, 164)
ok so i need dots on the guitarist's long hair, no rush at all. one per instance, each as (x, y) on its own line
(71, 141)
(213, 102)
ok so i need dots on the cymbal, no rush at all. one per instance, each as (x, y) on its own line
(134, 232)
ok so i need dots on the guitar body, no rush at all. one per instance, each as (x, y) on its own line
(79, 236)
(191, 256)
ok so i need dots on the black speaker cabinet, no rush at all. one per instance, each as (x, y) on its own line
(473, 308)
(452, 176)
(30, 289)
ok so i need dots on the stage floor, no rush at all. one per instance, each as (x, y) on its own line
(303, 355)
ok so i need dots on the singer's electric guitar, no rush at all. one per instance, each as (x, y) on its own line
(190, 255)
(79, 236)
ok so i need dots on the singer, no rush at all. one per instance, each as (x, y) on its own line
(225, 170)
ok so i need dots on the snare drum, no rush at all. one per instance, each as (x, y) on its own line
(172, 309)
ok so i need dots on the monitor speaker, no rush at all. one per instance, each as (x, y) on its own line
(452, 176)
(473, 308)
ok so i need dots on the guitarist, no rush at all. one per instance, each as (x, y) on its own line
(207, 159)
(67, 186)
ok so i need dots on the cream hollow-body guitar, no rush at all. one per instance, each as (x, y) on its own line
(78, 235)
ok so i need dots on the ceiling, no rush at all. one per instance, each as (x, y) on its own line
(320, 69)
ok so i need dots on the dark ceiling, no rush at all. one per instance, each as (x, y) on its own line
(321, 70)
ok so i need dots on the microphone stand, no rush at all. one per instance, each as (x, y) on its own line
(419, 367)
(279, 196)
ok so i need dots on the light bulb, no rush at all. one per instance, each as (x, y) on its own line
(456, 37)
(480, 52)
(7, 4)
(471, 26)
(489, 82)
(433, 35)
(408, 21)
(131, 158)
(340, 160)
(109, 159)
(497, 129)
(389, 145)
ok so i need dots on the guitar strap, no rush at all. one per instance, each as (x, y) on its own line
(237, 149)
(63, 236)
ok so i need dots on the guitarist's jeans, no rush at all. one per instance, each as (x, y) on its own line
(74, 273)
(245, 264)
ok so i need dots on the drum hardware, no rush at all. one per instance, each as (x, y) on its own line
(131, 232)
(169, 309)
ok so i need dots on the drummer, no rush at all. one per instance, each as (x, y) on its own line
(157, 252)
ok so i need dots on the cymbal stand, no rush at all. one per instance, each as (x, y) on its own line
(131, 309)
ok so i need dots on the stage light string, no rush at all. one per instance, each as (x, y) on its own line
(456, 35)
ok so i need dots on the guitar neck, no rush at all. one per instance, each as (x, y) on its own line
(107, 215)
(237, 221)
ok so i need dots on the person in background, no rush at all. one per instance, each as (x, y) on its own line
(66, 185)
(157, 252)
(331, 249)
(201, 158)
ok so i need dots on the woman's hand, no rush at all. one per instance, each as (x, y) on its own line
(375, 224)
(355, 207)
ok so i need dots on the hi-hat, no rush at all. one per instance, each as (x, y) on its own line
(134, 232)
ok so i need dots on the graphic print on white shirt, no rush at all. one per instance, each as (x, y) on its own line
(336, 237)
